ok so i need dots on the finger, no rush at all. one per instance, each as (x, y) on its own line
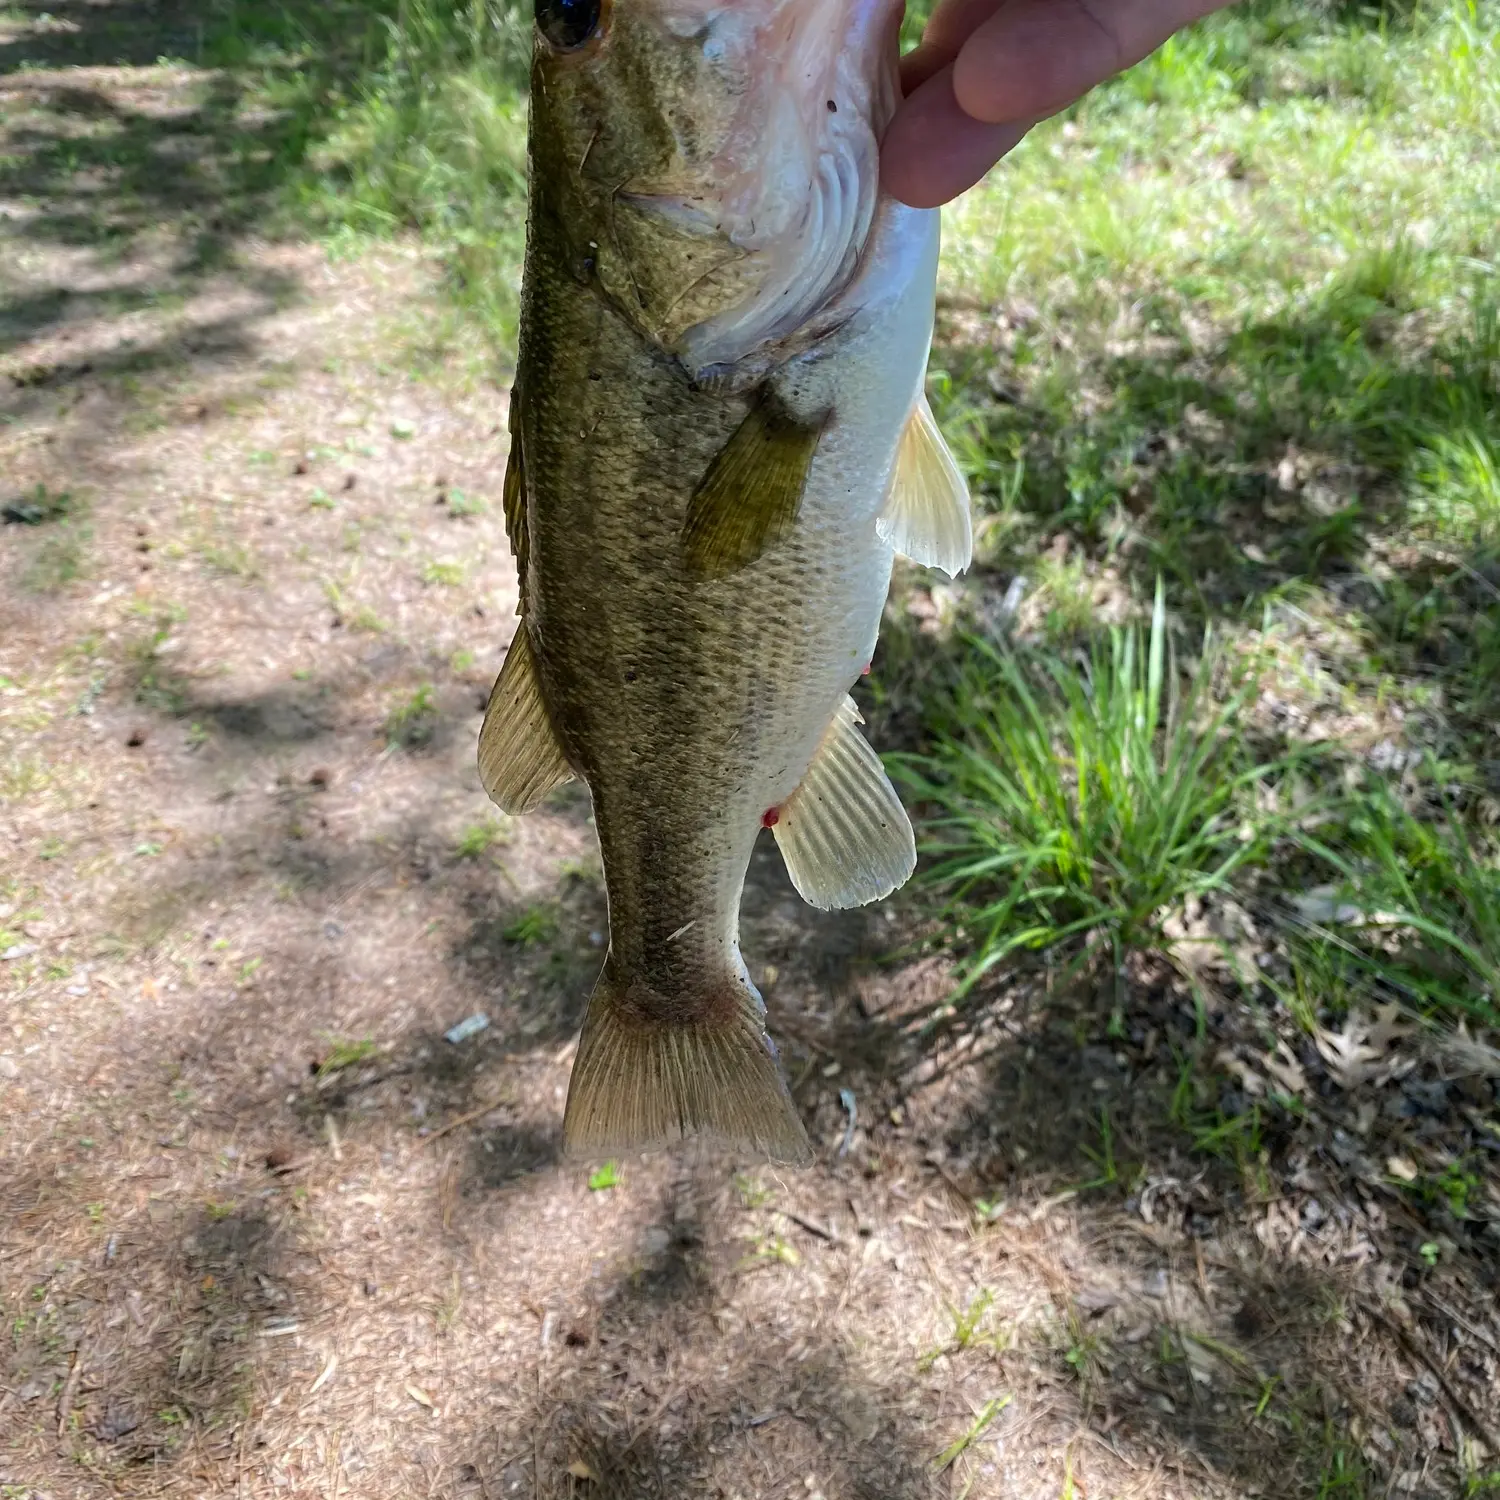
(1032, 58)
(947, 29)
(920, 64)
(933, 151)
(952, 22)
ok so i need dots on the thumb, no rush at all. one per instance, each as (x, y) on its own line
(1035, 57)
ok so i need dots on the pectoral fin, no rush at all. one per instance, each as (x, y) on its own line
(843, 833)
(520, 760)
(749, 499)
(926, 515)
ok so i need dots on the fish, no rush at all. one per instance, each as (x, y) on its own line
(720, 439)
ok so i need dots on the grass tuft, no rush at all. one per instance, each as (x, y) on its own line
(1082, 806)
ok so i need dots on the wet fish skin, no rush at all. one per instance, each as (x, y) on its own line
(694, 700)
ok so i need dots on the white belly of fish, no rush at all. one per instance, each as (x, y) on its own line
(872, 382)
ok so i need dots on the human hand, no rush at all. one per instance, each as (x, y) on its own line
(988, 70)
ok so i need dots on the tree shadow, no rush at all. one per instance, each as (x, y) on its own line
(136, 1348)
(141, 197)
(1241, 1244)
(1336, 453)
(641, 1393)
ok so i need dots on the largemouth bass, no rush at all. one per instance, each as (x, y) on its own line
(719, 439)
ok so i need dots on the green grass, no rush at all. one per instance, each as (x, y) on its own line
(534, 926)
(477, 839)
(412, 722)
(1270, 247)
(1081, 809)
(443, 574)
(345, 1052)
(1412, 907)
(1232, 325)
(408, 115)
(359, 120)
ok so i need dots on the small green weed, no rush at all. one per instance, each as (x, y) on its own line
(605, 1177)
(412, 723)
(534, 926)
(976, 1429)
(477, 839)
(1344, 1476)
(363, 618)
(345, 1052)
(57, 558)
(230, 558)
(1104, 1157)
(444, 574)
(969, 1329)
(769, 1249)
(1083, 1351)
(461, 505)
(753, 1192)
(1453, 1188)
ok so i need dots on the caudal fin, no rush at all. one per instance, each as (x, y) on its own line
(641, 1082)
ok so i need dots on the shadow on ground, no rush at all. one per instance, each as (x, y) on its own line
(1327, 450)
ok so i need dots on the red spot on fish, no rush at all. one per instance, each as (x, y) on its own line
(770, 817)
(864, 671)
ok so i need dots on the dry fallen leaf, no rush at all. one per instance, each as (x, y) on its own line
(418, 1395)
(1246, 1076)
(1390, 1025)
(1359, 1053)
(1470, 1057)
(580, 1470)
(1286, 1070)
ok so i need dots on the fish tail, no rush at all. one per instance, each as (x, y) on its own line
(641, 1082)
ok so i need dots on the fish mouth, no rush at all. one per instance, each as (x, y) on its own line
(790, 182)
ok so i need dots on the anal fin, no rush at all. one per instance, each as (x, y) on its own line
(520, 760)
(926, 514)
(749, 499)
(640, 1082)
(843, 833)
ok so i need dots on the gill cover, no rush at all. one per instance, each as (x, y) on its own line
(713, 165)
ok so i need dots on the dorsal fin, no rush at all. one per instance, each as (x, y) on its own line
(926, 514)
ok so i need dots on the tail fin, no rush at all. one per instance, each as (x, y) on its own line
(639, 1082)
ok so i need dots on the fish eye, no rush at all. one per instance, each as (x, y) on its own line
(568, 24)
